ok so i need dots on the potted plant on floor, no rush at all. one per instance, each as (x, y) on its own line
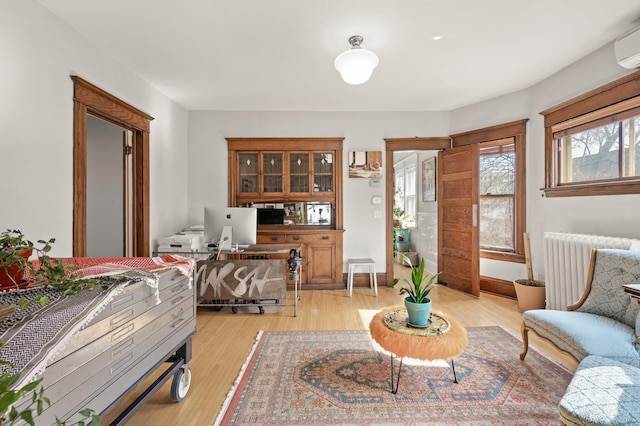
(417, 303)
(529, 292)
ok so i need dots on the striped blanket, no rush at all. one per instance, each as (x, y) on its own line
(34, 335)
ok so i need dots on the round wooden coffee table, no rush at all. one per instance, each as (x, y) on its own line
(443, 339)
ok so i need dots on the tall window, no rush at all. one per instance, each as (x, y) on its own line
(497, 193)
(502, 189)
(592, 144)
(405, 198)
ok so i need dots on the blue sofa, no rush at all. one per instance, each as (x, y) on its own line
(602, 332)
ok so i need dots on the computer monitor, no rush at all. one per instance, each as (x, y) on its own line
(270, 216)
(230, 225)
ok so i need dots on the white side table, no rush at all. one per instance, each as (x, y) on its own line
(370, 264)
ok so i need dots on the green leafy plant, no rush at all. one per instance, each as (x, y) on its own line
(417, 289)
(53, 272)
(14, 253)
(401, 219)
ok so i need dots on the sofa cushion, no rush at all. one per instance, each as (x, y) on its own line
(602, 392)
(611, 270)
(582, 334)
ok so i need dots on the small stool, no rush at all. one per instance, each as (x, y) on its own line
(363, 261)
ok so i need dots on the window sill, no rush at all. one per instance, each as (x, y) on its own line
(505, 257)
(590, 189)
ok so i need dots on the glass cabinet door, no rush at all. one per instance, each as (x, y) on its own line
(272, 172)
(248, 173)
(322, 172)
(299, 172)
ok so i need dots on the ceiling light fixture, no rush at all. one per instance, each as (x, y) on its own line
(357, 64)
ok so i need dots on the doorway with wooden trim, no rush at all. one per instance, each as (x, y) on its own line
(91, 100)
(394, 146)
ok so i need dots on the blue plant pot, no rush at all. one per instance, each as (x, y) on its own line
(418, 312)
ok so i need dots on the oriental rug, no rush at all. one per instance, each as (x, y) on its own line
(337, 378)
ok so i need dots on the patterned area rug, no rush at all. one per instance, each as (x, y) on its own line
(336, 378)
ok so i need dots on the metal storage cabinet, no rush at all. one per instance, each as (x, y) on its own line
(121, 346)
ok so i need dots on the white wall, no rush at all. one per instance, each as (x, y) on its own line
(364, 236)
(39, 53)
(615, 215)
(105, 202)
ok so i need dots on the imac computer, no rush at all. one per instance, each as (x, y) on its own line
(229, 227)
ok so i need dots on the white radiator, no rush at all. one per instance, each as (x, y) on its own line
(566, 264)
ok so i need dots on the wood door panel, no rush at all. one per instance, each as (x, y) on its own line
(321, 263)
(457, 189)
(455, 244)
(458, 245)
(457, 213)
(457, 162)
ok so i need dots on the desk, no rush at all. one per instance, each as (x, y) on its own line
(443, 340)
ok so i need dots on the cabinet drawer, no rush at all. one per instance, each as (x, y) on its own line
(270, 239)
(311, 238)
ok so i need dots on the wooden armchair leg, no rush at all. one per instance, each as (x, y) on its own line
(525, 340)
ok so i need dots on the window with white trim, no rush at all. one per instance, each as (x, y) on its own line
(405, 197)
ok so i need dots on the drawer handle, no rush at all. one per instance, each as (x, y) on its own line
(324, 237)
(178, 288)
(296, 238)
(177, 300)
(176, 277)
(177, 322)
(274, 238)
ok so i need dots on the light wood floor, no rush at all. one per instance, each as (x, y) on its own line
(223, 341)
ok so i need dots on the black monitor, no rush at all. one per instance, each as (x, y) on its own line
(270, 216)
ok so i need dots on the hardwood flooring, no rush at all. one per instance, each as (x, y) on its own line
(224, 340)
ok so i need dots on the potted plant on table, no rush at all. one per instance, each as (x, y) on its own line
(417, 303)
(15, 251)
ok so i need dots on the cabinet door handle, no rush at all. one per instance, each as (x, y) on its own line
(274, 238)
(324, 237)
(296, 238)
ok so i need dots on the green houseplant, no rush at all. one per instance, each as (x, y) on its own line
(417, 303)
(15, 251)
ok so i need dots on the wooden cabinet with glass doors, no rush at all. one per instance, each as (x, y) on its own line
(304, 177)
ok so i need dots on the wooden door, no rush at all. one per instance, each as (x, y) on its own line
(458, 243)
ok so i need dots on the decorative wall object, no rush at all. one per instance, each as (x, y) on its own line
(429, 180)
(365, 164)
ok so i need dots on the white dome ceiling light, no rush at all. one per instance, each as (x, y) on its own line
(357, 64)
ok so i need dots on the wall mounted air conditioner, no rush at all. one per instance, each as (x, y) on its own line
(627, 48)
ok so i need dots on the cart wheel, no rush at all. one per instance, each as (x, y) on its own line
(217, 308)
(234, 309)
(261, 310)
(180, 384)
